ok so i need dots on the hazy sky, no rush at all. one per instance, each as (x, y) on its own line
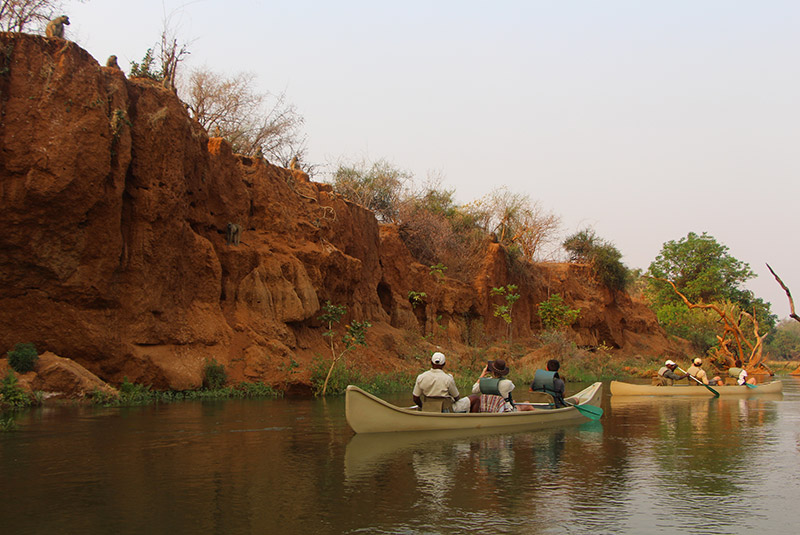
(644, 120)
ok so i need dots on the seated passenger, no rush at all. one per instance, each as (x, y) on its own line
(738, 372)
(491, 392)
(550, 382)
(434, 389)
(697, 372)
(667, 376)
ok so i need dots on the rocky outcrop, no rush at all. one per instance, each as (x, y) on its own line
(114, 204)
(63, 378)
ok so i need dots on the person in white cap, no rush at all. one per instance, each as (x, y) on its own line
(667, 375)
(435, 385)
(697, 372)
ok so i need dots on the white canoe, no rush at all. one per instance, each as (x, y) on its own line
(369, 414)
(618, 388)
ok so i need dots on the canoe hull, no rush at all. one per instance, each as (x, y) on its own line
(618, 388)
(369, 414)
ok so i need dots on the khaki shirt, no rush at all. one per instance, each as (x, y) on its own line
(435, 383)
(698, 373)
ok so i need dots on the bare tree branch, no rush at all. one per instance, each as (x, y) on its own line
(792, 314)
(18, 15)
(732, 326)
(250, 121)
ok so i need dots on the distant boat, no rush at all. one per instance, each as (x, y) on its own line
(369, 414)
(618, 388)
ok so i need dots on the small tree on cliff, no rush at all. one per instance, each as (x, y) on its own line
(249, 120)
(556, 314)
(355, 335)
(168, 54)
(516, 221)
(504, 311)
(377, 186)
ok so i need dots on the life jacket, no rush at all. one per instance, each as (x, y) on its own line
(734, 372)
(544, 381)
(491, 387)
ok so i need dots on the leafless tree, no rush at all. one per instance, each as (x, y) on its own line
(792, 313)
(170, 55)
(247, 118)
(516, 220)
(19, 15)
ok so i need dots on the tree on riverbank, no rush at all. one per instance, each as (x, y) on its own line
(701, 271)
(733, 344)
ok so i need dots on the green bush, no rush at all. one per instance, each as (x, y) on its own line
(556, 314)
(214, 375)
(23, 357)
(606, 260)
(11, 393)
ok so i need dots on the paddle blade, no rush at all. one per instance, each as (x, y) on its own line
(590, 411)
(748, 385)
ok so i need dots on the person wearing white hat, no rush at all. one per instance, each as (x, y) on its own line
(667, 376)
(435, 385)
(697, 372)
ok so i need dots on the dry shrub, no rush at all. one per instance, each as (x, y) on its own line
(438, 238)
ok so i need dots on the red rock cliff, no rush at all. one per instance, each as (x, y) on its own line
(113, 252)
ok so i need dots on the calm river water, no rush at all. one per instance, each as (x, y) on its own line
(293, 466)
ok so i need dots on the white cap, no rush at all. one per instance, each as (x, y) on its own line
(670, 363)
(698, 361)
(437, 358)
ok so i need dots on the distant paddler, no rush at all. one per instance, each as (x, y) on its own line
(667, 376)
(699, 373)
(738, 372)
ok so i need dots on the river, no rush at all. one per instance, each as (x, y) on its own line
(288, 466)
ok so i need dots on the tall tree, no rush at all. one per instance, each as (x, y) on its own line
(703, 271)
(699, 270)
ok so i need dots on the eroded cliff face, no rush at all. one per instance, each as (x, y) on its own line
(114, 205)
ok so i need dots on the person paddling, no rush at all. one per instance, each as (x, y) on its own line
(667, 375)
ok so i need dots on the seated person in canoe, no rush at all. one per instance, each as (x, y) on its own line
(491, 392)
(699, 373)
(550, 383)
(740, 374)
(667, 376)
(435, 390)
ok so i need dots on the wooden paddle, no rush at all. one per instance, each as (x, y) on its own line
(698, 381)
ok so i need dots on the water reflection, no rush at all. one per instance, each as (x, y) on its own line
(651, 465)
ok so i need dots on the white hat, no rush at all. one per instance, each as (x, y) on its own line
(670, 363)
(698, 361)
(437, 358)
